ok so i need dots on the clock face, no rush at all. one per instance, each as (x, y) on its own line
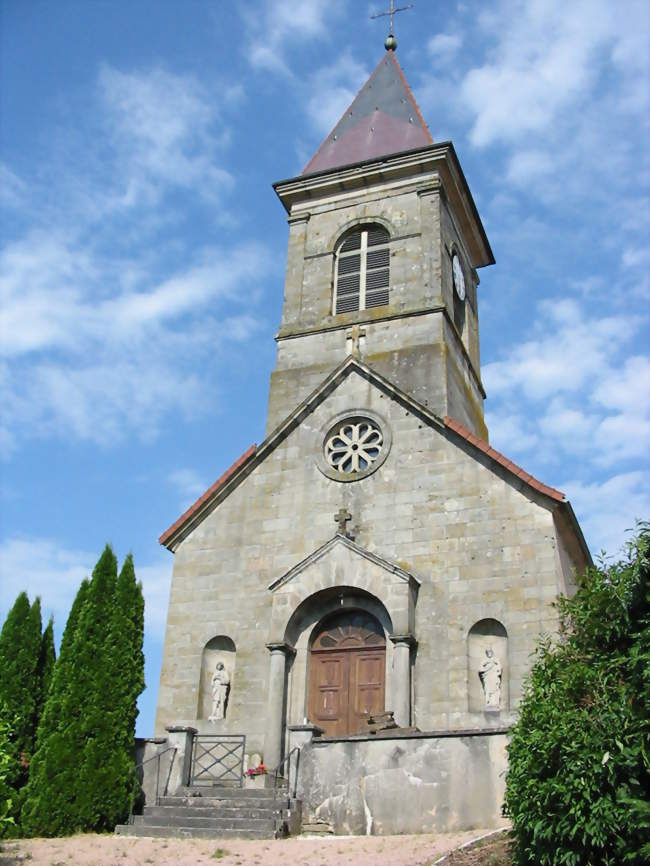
(459, 279)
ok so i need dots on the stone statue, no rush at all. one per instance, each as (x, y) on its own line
(490, 674)
(220, 689)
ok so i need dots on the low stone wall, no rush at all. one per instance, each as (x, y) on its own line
(156, 776)
(405, 783)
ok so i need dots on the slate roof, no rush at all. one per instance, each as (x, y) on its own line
(255, 454)
(383, 119)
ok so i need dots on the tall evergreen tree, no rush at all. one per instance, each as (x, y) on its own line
(83, 772)
(45, 668)
(72, 718)
(20, 642)
(108, 757)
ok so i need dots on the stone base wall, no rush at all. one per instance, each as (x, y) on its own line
(157, 769)
(418, 783)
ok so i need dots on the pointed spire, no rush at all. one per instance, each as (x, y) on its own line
(383, 119)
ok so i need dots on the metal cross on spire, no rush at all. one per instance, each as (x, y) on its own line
(391, 43)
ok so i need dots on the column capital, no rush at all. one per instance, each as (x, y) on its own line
(294, 219)
(433, 188)
(403, 638)
(281, 647)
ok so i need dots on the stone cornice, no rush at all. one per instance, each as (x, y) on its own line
(433, 162)
(375, 558)
(359, 319)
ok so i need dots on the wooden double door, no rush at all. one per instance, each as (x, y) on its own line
(347, 673)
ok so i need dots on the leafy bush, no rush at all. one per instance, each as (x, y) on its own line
(579, 778)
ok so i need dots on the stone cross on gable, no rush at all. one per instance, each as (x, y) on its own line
(342, 517)
(355, 339)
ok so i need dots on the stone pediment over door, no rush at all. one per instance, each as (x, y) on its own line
(343, 569)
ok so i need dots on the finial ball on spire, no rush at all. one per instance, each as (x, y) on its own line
(390, 44)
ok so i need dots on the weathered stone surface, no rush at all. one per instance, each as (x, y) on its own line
(480, 545)
(452, 553)
(404, 785)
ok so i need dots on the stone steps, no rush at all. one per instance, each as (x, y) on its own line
(228, 813)
(222, 812)
(266, 824)
(188, 832)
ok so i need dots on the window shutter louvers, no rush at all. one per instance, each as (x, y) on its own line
(363, 270)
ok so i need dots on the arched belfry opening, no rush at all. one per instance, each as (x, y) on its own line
(347, 672)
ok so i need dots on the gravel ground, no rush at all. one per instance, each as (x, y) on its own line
(96, 850)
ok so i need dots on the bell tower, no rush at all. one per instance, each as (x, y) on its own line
(384, 246)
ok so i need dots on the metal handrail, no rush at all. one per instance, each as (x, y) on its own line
(139, 766)
(287, 760)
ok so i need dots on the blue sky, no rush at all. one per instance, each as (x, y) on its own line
(143, 250)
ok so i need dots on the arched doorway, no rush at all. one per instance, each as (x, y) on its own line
(347, 672)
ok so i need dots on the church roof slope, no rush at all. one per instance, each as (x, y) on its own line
(383, 119)
(209, 493)
(500, 458)
(254, 455)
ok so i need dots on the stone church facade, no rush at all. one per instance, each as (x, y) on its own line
(374, 554)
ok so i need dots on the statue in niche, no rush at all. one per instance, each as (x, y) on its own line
(490, 674)
(220, 689)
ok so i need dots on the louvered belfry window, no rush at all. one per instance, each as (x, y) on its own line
(362, 271)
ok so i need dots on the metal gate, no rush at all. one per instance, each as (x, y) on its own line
(218, 760)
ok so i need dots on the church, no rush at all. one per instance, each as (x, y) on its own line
(356, 599)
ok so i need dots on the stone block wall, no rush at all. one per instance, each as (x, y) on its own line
(424, 784)
(481, 545)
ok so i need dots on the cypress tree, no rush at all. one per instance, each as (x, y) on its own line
(108, 758)
(62, 787)
(83, 775)
(20, 642)
(45, 668)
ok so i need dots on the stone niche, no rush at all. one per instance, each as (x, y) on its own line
(486, 635)
(217, 649)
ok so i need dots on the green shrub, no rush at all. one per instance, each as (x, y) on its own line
(578, 781)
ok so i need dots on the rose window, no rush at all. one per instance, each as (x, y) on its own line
(354, 446)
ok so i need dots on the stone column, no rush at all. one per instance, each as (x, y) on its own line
(402, 678)
(275, 706)
(431, 240)
(181, 738)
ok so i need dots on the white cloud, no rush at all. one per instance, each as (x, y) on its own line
(280, 25)
(527, 165)
(105, 318)
(107, 359)
(13, 190)
(571, 348)
(546, 55)
(42, 567)
(443, 47)
(189, 484)
(166, 130)
(585, 397)
(607, 509)
(331, 90)
(510, 432)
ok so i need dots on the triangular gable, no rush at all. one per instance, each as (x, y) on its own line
(447, 426)
(342, 540)
(383, 119)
